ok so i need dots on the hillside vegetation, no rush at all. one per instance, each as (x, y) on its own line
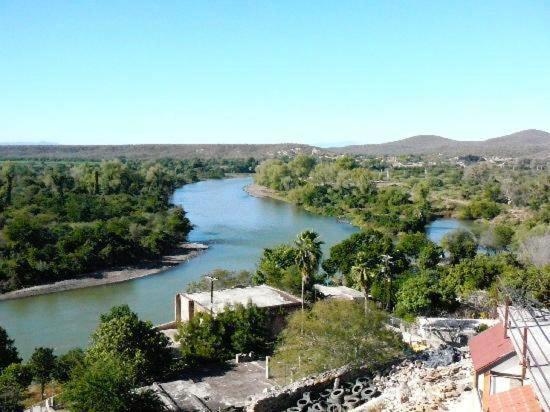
(154, 151)
(526, 143)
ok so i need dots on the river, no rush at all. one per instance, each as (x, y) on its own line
(437, 229)
(235, 225)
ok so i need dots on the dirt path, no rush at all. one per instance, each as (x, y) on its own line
(181, 254)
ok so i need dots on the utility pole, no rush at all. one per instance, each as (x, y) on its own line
(212, 279)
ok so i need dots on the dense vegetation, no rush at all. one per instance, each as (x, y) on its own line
(61, 219)
(391, 260)
(401, 195)
(345, 189)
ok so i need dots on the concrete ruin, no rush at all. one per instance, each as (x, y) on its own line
(279, 305)
(188, 304)
(215, 387)
(338, 292)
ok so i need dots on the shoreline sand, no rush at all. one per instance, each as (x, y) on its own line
(261, 191)
(182, 253)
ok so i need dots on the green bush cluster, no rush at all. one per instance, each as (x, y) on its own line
(238, 329)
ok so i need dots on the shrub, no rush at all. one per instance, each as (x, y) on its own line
(333, 334)
(241, 329)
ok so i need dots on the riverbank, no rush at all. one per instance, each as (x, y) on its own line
(261, 191)
(265, 192)
(181, 254)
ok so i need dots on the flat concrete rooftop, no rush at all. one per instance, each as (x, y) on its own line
(212, 388)
(262, 296)
(339, 292)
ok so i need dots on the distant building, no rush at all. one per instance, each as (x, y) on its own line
(278, 303)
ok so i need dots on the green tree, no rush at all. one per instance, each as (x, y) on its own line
(67, 363)
(481, 208)
(429, 256)
(412, 243)
(308, 256)
(8, 351)
(42, 363)
(249, 328)
(202, 340)
(13, 389)
(471, 274)
(121, 333)
(8, 172)
(277, 267)
(460, 244)
(422, 294)
(335, 333)
(224, 279)
(343, 255)
(497, 237)
(21, 373)
(239, 329)
(108, 385)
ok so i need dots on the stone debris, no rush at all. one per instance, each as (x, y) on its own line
(432, 381)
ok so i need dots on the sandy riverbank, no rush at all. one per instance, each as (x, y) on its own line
(181, 254)
(261, 191)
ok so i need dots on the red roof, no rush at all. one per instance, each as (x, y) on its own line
(521, 399)
(490, 347)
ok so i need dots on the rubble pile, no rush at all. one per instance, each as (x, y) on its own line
(432, 381)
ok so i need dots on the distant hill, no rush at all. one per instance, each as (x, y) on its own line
(155, 151)
(527, 143)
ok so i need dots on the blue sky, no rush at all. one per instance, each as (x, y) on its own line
(319, 72)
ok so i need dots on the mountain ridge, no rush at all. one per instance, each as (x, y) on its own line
(525, 143)
(529, 142)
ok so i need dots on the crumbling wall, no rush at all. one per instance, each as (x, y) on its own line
(287, 396)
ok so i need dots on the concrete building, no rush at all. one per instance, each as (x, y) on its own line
(338, 292)
(186, 305)
(278, 303)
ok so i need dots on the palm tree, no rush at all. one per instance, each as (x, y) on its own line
(364, 274)
(308, 256)
(386, 271)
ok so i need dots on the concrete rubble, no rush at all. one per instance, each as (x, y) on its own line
(428, 382)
